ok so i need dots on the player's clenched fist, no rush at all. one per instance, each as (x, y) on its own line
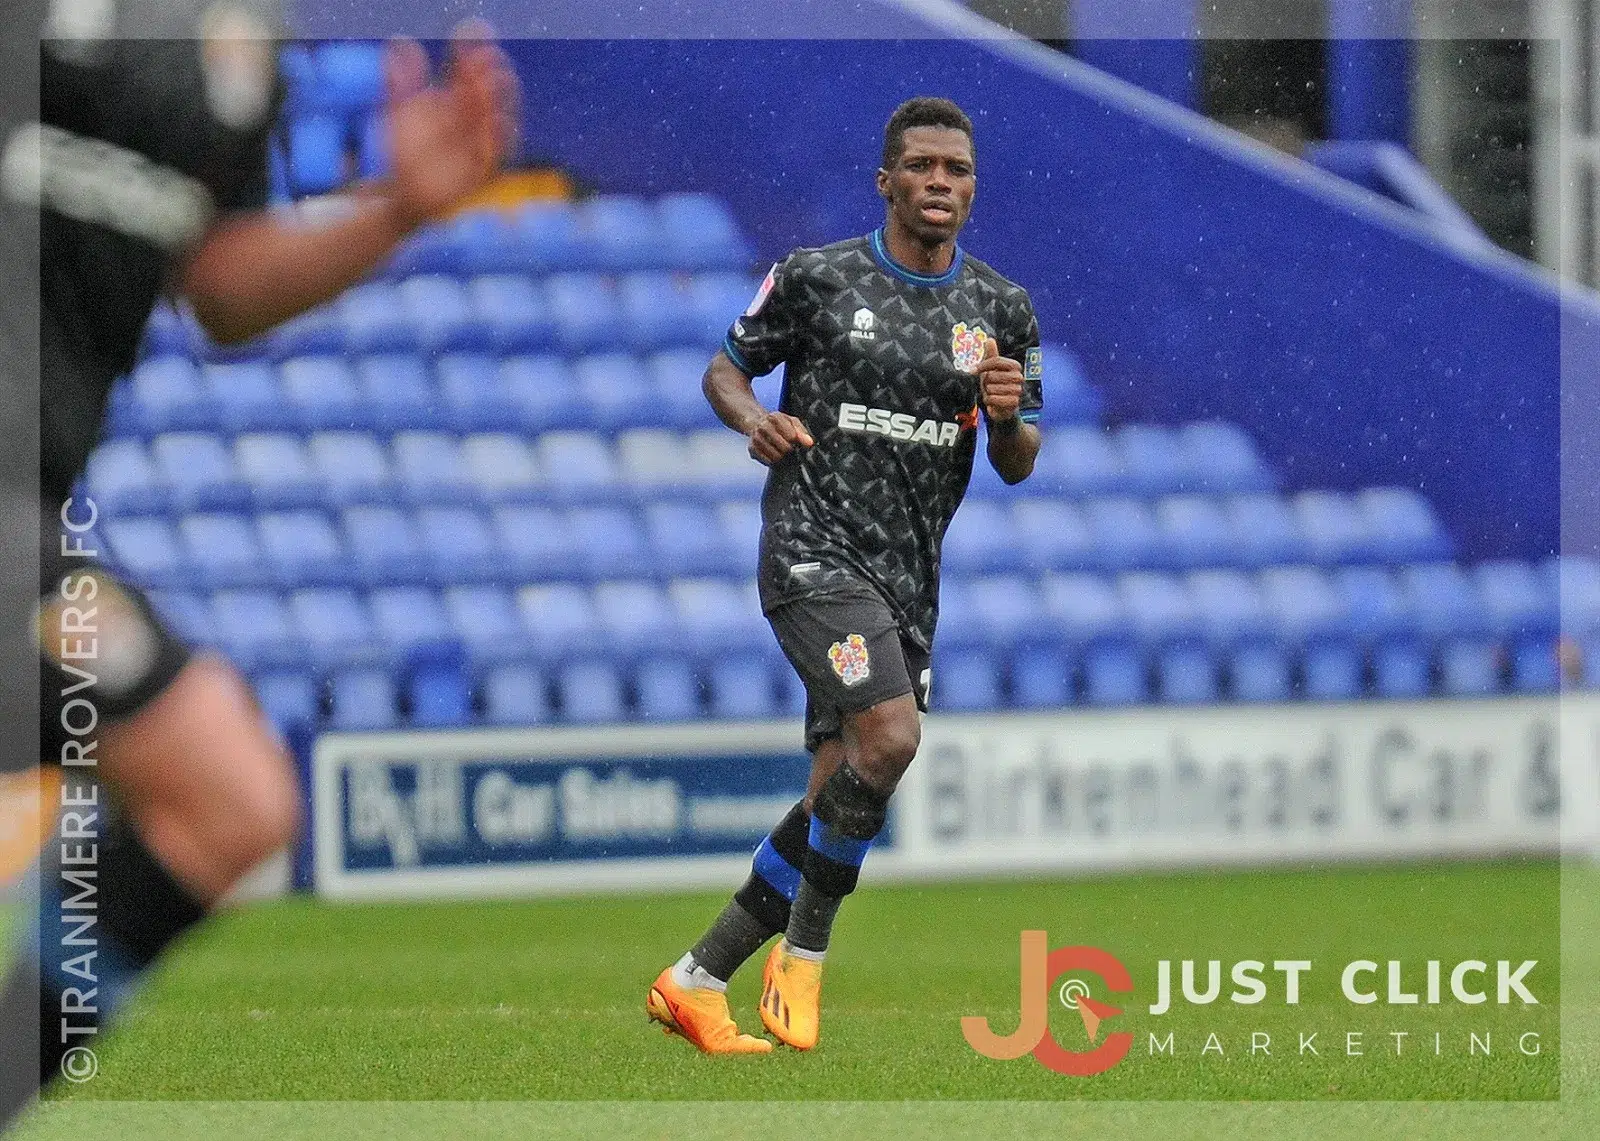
(776, 435)
(999, 383)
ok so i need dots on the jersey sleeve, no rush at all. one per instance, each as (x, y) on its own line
(1019, 340)
(764, 335)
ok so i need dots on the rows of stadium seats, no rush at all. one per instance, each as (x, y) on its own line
(695, 647)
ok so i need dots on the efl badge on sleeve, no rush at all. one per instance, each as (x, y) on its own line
(761, 294)
(850, 660)
(966, 346)
(1033, 364)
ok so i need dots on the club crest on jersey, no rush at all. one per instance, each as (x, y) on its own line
(761, 294)
(850, 660)
(967, 345)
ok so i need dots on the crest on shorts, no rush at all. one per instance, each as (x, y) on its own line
(966, 346)
(850, 660)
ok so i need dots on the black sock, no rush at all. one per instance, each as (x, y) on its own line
(848, 814)
(107, 910)
(759, 909)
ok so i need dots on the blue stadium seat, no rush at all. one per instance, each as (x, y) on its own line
(396, 393)
(187, 614)
(223, 551)
(1154, 463)
(1069, 397)
(547, 238)
(535, 543)
(168, 332)
(1377, 609)
(1220, 458)
(967, 680)
(473, 395)
(1125, 534)
(1114, 675)
(1400, 668)
(501, 467)
(486, 621)
(586, 313)
(719, 619)
(982, 539)
(1053, 535)
(249, 398)
(615, 388)
(1194, 531)
(429, 471)
(1080, 461)
(384, 546)
(335, 626)
(560, 621)
(1160, 609)
(146, 550)
(1336, 532)
(719, 298)
(409, 619)
(1445, 601)
(324, 394)
(288, 698)
(316, 332)
(1402, 525)
(545, 395)
(438, 690)
(256, 630)
(1186, 674)
(515, 694)
(459, 545)
(298, 67)
(674, 377)
(577, 465)
(1008, 606)
(686, 540)
(303, 549)
(667, 690)
(349, 76)
(654, 462)
(719, 464)
(1524, 615)
(1259, 671)
(277, 470)
(623, 232)
(740, 521)
(1083, 609)
(1304, 605)
(373, 159)
(123, 415)
(656, 312)
(740, 688)
(1265, 531)
(198, 470)
(442, 317)
(610, 541)
(590, 692)
(518, 316)
(1229, 607)
(1469, 667)
(1575, 579)
(316, 154)
(362, 700)
(352, 468)
(1332, 671)
(375, 320)
(700, 233)
(636, 620)
(121, 480)
(1041, 678)
(169, 396)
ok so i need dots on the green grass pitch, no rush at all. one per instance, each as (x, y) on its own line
(531, 1013)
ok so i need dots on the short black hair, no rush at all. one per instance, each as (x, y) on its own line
(921, 111)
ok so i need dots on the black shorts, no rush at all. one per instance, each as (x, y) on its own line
(104, 653)
(849, 651)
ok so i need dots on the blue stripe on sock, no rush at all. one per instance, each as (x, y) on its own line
(776, 870)
(839, 849)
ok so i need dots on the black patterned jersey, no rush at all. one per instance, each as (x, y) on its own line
(879, 366)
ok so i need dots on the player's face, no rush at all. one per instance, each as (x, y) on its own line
(930, 189)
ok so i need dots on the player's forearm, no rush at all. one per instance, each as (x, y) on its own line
(258, 270)
(731, 395)
(1013, 446)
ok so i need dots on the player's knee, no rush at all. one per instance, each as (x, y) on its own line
(886, 752)
(267, 811)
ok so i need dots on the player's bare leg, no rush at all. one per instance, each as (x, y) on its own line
(849, 798)
(197, 791)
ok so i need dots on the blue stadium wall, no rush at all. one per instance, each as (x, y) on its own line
(1196, 273)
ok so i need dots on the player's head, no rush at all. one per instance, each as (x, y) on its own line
(929, 173)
